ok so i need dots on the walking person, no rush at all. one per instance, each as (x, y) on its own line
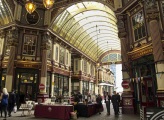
(115, 102)
(12, 102)
(107, 99)
(99, 103)
(4, 102)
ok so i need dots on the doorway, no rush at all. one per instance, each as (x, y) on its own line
(27, 84)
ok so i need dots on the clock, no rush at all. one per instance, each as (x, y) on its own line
(32, 18)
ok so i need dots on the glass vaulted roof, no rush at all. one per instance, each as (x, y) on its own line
(5, 15)
(90, 27)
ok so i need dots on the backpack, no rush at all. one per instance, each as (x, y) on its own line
(4, 100)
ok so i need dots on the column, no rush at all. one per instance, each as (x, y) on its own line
(153, 17)
(81, 86)
(45, 47)
(127, 97)
(70, 89)
(12, 41)
(52, 87)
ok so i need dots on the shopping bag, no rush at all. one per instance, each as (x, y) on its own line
(15, 109)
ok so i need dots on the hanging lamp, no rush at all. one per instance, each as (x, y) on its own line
(48, 3)
(30, 6)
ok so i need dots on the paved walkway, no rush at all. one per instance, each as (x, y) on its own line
(102, 116)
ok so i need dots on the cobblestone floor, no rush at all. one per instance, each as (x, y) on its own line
(102, 116)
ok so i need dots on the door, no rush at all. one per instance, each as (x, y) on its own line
(27, 84)
(26, 90)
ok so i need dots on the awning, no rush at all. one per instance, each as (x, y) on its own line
(107, 84)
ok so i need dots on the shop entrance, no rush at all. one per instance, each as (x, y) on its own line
(27, 85)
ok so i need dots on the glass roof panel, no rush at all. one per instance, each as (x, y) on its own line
(5, 15)
(85, 23)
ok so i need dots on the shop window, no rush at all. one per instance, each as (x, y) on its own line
(3, 79)
(75, 87)
(91, 88)
(56, 86)
(138, 26)
(65, 86)
(61, 86)
(61, 55)
(29, 45)
(85, 87)
(48, 83)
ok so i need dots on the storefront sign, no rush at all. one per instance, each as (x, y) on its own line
(41, 86)
(125, 84)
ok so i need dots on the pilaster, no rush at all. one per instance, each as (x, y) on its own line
(12, 39)
(153, 20)
(127, 97)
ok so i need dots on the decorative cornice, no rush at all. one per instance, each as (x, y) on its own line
(141, 51)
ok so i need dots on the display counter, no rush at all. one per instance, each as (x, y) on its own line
(87, 110)
(61, 112)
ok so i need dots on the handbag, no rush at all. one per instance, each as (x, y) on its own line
(15, 109)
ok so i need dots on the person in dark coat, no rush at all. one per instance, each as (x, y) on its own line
(107, 99)
(99, 103)
(115, 101)
(12, 102)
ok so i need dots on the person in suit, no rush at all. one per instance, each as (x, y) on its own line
(107, 99)
(99, 103)
(115, 102)
(12, 102)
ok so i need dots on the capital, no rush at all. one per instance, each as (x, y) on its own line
(12, 36)
(152, 14)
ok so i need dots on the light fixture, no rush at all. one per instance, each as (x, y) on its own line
(30, 6)
(48, 3)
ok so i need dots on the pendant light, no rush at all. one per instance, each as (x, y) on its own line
(30, 6)
(48, 3)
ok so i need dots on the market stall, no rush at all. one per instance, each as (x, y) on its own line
(55, 111)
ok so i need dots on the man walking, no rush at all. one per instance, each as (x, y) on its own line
(107, 98)
(115, 101)
(12, 102)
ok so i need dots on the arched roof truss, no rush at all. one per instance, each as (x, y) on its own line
(5, 13)
(88, 26)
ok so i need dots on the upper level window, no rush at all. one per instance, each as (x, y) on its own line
(67, 58)
(85, 66)
(29, 45)
(56, 55)
(138, 26)
(61, 55)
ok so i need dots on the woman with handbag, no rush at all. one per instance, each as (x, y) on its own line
(4, 102)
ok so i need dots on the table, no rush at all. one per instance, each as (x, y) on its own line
(86, 110)
(61, 112)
